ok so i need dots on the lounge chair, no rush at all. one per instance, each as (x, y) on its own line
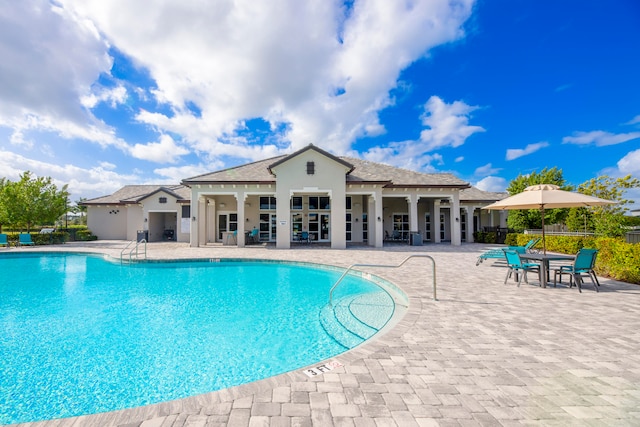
(3, 240)
(25, 240)
(498, 253)
(516, 265)
(304, 237)
(584, 263)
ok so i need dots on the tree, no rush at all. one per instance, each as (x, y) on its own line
(31, 201)
(610, 220)
(520, 220)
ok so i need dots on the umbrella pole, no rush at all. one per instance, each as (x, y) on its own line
(544, 242)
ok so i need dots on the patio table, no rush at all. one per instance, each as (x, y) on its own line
(544, 263)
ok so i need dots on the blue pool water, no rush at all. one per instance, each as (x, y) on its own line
(81, 335)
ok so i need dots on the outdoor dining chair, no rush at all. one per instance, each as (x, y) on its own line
(584, 263)
(515, 265)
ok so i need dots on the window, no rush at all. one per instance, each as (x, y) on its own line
(313, 203)
(325, 203)
(348, 227)
(186, 211)
(162, 200)
(296, 203)
(267, 203)
(348, 203)
(311, 168)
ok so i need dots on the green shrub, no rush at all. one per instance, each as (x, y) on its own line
(85, 235)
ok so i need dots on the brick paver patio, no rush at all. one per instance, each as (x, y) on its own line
(484, 354)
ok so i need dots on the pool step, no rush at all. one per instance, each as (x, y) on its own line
(355, 318)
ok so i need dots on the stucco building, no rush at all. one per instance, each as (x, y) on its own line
(332, 200)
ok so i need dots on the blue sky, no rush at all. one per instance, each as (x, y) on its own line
(99, 94)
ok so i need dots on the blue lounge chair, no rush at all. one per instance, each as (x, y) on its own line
(498, 253)
(304, 237)
(25, 240)
(3, 240)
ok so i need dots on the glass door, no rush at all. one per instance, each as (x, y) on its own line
(427, 226)
(325, 221)
(227, 221)
(267, 227)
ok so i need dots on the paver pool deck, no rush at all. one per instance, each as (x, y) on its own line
(484, 354)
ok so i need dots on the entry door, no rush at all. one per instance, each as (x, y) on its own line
(325, 232)
(268, 227)
(226, 222)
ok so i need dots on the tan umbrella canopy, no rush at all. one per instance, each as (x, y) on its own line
(546, 196)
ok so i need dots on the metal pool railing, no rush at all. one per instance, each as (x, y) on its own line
(352, 266)
(134, 249)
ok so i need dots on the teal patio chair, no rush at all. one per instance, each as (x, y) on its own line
(253, 236)
(515, 265)
(3, 240)
(304, 237)
(24, 239)
(584, 263)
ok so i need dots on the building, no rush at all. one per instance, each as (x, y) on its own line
(332, 200)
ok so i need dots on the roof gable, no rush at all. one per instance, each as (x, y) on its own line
(326, 154)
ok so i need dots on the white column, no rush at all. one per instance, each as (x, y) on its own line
(377, 219)
(283, 218)
(435, 222)
(456, 238)
(240, 196)
(413, 213)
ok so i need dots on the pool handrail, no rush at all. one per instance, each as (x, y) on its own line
(385, 266)
(137, 242)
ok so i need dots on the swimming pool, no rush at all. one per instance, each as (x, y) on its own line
(80, 334)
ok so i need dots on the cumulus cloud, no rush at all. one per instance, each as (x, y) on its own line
(163, 151)
(48, 65)
(322, 68)
(630, 164)
(514, 153)
(492, 183)
(112, 96)
(447, 126)
(599, 138)
(88, 182)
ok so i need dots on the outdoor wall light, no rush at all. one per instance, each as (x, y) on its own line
(457, 219)
(193, 219)
(379, 219)
(145, 220)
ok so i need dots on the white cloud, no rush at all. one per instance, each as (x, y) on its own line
(630, 164)
(112, 96)
(48, 64)
(177, 174)
(514, 153)
(634, 121)
(486, 170)
(82, 182)
(599, 138)
(459, 159)
(492, 183)
(164, 151)
(448, 125)
(323, 72)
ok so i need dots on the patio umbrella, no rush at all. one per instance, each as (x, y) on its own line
(547, 196)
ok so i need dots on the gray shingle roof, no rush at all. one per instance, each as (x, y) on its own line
(135, 193)
(364, 171)
(474, 194)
